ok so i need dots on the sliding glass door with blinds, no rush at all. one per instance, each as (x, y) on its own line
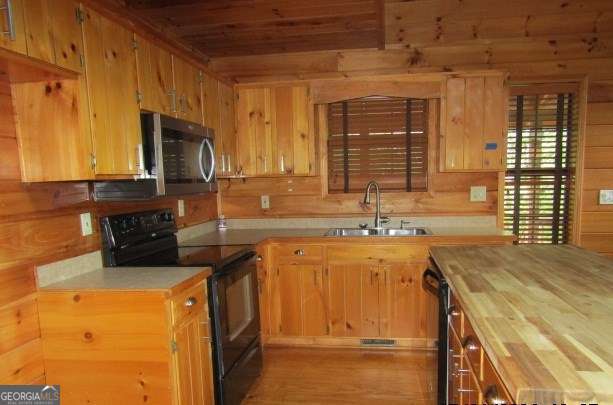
(368, 140)
(541, 167)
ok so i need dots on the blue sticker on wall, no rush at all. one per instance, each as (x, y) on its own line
(491, 146)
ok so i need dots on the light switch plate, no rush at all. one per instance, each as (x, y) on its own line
(181, 208)
(265, 202)
(478, 193)
(86, 224)
(606, 197)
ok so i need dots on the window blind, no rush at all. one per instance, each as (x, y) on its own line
(541, 154)
(368, 140)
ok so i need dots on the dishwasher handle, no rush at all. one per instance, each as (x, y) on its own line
(427, 285)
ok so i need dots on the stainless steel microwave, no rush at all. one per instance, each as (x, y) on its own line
(180, 155)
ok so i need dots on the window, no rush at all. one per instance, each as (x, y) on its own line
(540, 167)
(368, 140)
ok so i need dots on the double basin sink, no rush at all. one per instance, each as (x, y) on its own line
(378, 232)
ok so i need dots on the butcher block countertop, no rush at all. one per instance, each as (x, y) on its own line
(317, 235)
(544, 315)
(167, 279)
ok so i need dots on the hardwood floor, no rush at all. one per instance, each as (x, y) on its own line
(345, 376)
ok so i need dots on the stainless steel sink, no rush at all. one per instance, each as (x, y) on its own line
(378, 232)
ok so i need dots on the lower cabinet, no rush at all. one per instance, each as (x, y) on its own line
(345, 291)
(127, 346)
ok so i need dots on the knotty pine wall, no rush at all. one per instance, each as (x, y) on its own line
(597, 220)
(39, 223)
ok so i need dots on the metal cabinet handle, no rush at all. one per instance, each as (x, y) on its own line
(229, 164)
(492, 397)
(258, 258)
(470, 344)
(282, 164)
(223, 163)
(173, 101)
(190, 302)
(299, 252)
(10, 22)
(452, 311)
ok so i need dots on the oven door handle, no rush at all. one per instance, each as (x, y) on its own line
(431, 274)
(207, 143)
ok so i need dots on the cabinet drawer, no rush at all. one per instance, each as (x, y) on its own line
(297, 253)
(472, 347)
(189, 302)
(455, 314)
(494, 391)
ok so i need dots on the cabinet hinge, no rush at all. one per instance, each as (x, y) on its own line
(173, 346)
(82, 60)
(200, 76)
(79, 15)
(93, 160)
(139, 96)
(134, 44)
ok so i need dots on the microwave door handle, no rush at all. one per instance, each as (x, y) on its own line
(206, 177)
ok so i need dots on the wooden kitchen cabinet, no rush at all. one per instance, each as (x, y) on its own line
(39, 33)
(155, 78)
(112, 89)
(473, 123)
(275, 131)
(188, 90)
(128, 346)
(211, 106)
(225, 141)
(12, 27)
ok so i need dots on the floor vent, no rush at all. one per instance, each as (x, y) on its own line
(378, 342)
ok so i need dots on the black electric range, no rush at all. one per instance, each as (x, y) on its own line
(149, 239)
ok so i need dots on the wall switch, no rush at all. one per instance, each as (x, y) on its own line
(606, 197)
(181, 208)
(86, 224)
(478, 194)
(265, 202)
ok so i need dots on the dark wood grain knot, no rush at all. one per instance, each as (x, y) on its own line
(48, 89)
(76, 298)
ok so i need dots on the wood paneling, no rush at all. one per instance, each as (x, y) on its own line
(597, 219)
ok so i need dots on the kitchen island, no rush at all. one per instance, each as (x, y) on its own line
(543, 315)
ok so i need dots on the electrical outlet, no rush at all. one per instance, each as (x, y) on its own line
(265, 202)
(478, 194)
(86, 224)
(606, 197)
(181, 208)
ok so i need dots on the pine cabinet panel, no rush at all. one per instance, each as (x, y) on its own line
(473, 123)
(314, 317)
(288, 300)
(226, 140)
(254, 131)
(38, 26)
(155, 79)
(16, 43)
(67, 34)
(187, 80)
(112, 89)
(210, 96)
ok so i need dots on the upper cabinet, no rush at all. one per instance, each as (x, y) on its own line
(155, 80)
(49, 30)
(188, 90)
(112, 90)
(275, 131)
(473, 123)
(225, 140)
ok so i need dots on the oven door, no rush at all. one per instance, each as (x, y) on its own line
(184, 156)
(236, 310)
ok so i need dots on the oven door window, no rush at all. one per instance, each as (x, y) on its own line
(187, 158)
(240, 311)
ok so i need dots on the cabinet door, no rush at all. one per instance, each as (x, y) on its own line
(192, 362)
(210, 96)
(227, 147)
(112, 89)
(353, 299)
(287, 303)
(39, 36)
(12, 27)
(254, 131)
(189, 93)
(264, 287)
(314, 314)
(67, 34)
(403, 301)
(473, 123)
(155, 81)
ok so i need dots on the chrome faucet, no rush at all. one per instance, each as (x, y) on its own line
(379, 220)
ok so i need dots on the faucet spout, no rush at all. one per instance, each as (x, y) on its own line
(370, 185)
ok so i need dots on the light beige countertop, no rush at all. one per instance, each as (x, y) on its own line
(232, 236)
(133, 279)
(544, 315)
